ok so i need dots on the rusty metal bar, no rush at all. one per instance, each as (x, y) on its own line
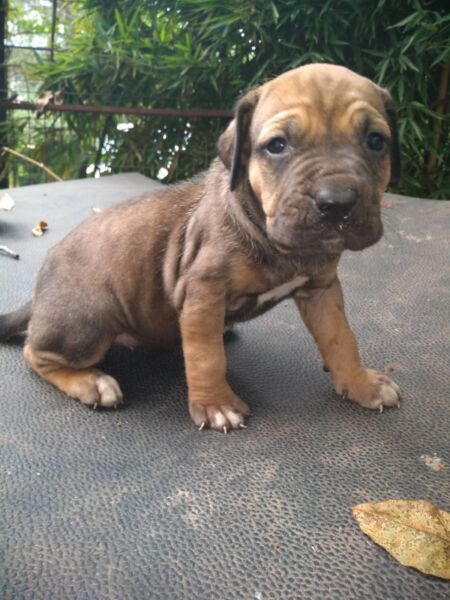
(39, 48)
(122, 110)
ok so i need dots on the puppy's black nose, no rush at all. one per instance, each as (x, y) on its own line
(335, 202)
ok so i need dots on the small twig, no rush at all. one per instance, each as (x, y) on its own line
(32, 161)
(9, 252)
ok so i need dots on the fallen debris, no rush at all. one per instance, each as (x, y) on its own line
(48, 97)
(8, 252)
(432, 462)
(414, 532)
(39, 228)
(6, 202)
(391, 367)
(43, 100)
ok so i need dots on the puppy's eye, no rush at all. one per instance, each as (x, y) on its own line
(276, 145)
(375, 141)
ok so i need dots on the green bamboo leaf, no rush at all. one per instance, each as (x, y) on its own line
(382, 73)
(120, 23)
(405, 60)
(425, 109)
(413, 18)
(416, 128)
(275, 13)
(443, 57)
(411, 41)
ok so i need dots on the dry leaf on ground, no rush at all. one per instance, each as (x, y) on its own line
(39, 228)
(415, 532)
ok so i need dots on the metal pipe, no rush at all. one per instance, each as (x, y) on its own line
(122, 110)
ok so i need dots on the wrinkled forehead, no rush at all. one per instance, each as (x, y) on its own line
(318, 101)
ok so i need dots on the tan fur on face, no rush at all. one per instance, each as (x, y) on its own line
(318, 106)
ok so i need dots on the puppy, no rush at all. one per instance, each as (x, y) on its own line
(301, 171)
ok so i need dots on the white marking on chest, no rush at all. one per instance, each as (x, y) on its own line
(281, 291)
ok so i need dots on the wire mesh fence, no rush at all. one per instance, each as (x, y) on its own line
(145, 139)
(143, 54)
(79, 138)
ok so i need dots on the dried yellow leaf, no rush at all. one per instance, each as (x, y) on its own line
(415, 532)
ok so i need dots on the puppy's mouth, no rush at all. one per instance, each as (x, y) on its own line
(306, 240)
(317, 237)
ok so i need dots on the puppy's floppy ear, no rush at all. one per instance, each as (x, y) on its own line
(391, 115)
(234, 144)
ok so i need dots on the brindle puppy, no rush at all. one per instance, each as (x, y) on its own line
(302, 169)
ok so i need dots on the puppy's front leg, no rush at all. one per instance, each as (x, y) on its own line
(323, 313)
(212, 403)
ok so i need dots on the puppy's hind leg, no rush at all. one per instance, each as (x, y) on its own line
(91, 386)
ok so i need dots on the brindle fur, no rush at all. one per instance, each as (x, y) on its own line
(192, 258)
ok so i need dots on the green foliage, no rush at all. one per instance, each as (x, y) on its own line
(205, 53)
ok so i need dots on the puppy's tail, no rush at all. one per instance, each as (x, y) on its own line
(15, 322)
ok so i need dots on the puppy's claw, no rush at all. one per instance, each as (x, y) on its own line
(225, 430)
(202, 425)
(94, 406)
(381, 408)
(242, 426)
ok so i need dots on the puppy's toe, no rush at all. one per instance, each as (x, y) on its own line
(388, 396)
(235, 419)
(216, 418)
(388, 392)
(375, 391)
(109, 391)
(85, 389)
(96, 389)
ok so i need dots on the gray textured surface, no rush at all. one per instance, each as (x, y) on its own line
(137, 504)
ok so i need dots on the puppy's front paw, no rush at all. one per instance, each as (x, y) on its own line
(371, 389)
(222, 414)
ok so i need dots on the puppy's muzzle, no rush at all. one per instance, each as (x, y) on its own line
(335, 201)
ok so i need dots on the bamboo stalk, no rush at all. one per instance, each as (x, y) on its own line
(52, 37)
(32, 161)
(443, 85)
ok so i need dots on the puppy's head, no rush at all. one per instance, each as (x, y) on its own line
(318, 147)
